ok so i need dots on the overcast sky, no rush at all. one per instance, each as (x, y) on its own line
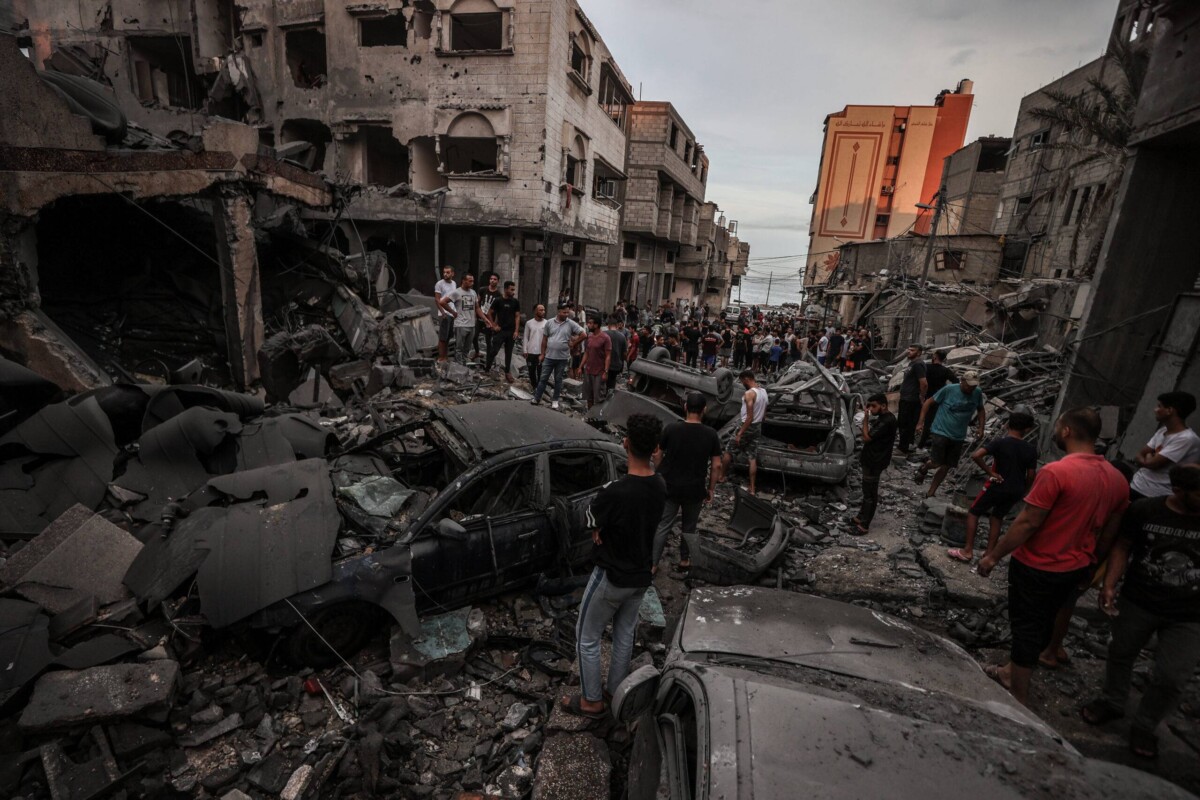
(754, 80)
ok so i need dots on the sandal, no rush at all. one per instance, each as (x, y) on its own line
(996, 673)
(1099, 712)
(572, 705)
(859, 528)
(959, 555)
(1142, 744)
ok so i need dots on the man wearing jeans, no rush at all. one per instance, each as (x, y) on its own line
(689, 459)
(1158, 552)
(464, 320)
(622, 518)
(561, 334)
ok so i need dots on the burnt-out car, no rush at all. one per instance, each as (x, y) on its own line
(775, 694)
(807, 431)
(506, 487)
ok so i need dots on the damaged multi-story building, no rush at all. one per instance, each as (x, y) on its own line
(706, 273)
(484, 135)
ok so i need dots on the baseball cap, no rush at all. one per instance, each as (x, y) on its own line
(970, 378)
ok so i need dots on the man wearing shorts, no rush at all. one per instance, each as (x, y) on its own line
(709, 345)
(446, 311)
(1014, 462)
(1074, 508)
(745, 440)
(956, 404)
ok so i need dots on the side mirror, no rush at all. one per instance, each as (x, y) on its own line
(450, 528)
(635, 696)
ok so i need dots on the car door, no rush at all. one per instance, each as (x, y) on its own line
(503, 535)
(575, 477)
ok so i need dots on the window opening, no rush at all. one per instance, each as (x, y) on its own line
(629, 250)
(386, 159)
(305, 48)
(389, 31)
(477, 31)
(163, 72)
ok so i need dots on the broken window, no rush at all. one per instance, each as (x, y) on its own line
(1022, 206)
(1066, 220)
(950, 259)
(500, 493)
(163, 72)
(385, 161)
(305, 48)
(310, 131)
(469, 146)
(605, 188)
(1039, 139)
(581, 58)
(575, 173)
(575, 473)
(426, 174)
(629, 250)
(613, 98)
(476, 25)
(1012, 259)
(422, 19)
(389, 31)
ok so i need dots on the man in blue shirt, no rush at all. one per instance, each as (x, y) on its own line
(956, 404)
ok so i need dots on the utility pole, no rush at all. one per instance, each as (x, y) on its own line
(770, 275)
(922, 299)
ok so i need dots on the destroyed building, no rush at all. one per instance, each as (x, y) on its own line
(480, 134)
(706, 273)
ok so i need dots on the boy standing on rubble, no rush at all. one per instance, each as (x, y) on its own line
(446, 311)
(879, 436)
(623, 519)
(1014, 462)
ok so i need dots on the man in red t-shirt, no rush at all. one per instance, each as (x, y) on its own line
(1073, 509)
(597, 355)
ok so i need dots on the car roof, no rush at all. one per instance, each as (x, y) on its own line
(839, 638)
(493, 426)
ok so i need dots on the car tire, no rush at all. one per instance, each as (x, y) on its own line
(724, 380)
(347, 627)
(660, 354)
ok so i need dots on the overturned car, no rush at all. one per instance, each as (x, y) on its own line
(807, 431)
(658, 377)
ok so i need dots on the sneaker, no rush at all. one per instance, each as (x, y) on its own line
(554, 405)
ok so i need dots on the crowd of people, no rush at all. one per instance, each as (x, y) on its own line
(1084, 522)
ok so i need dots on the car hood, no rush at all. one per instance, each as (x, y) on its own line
(784, 743)
(839, 638)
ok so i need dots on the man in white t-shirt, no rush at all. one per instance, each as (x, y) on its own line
(823, 349)
(446, 310)
(531, 344)
(1173, 443)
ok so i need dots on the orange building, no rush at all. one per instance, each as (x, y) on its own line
(877, 164)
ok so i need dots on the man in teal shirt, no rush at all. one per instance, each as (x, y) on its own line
(956, 404)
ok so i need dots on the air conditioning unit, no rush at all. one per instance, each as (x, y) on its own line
(888, 190)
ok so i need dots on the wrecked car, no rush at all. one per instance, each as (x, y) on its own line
(505, 489)
(775, 694)
(758, 536)
(669, 382)
(808, 428)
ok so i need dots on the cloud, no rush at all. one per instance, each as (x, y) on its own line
(756, 79)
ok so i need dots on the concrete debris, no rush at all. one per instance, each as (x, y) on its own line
(101, 694)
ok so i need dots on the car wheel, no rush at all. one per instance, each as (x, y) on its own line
(659, 354)
(345, 628)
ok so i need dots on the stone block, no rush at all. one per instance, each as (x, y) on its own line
(100, 694)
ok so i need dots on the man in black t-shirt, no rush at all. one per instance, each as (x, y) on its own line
(623, 518)
(487, 298)
(937, 375)
(1014, 461)
(837, 347)
(1158, 552)
(913, 391)
(879, 435)
(689, 459)
(691, 344)
(506, 314)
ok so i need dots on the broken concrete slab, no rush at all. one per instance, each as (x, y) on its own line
(24, 646)
(81, 553)
(210, 732)
(100, 694)
(573, 767)
(963, 586)
(848, 573)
